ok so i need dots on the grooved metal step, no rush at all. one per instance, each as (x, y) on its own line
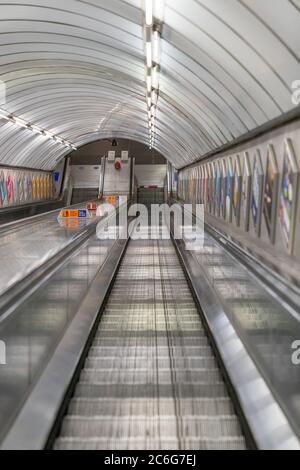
(148, 407)
(190, 426)
(146, 376)
(225, 443)
(150, 380)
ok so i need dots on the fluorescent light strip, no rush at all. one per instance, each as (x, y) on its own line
(20, 122)
(155, 77)
(149, 83)
(152, 60)
(156, 38)
(149, 12)
(149, 54)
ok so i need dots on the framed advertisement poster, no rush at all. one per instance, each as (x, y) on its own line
(29, 188)
(229, 190)
(204, 180)
(206, 187)
(16, 189)
(195, 191)
(288, 195)
(257, 193)
(237, 190)
(223, 189)
(41, 187)
(217, 188)
(203, 185)
(246, 192)
(33, 187)
(25, 188)
(38, 188)
(211, 188)
(271, 193)
(9, 189)
(200, 185)
(3, 194)
(21, 188)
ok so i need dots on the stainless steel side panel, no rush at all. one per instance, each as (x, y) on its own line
(34, 423)
(265, 417)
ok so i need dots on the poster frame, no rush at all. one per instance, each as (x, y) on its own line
(271, 226)
(237, 178)
(246, 191)
(289, 154)
(223, 189)
(229, 184)
(260, 184)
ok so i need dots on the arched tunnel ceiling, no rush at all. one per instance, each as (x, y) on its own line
(77, 69)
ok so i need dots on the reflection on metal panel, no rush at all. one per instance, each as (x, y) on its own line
(150, 175)
(85, 176)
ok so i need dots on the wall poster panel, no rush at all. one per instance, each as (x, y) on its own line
(246, 191)
(229, 190)
(288, 195)
(271, 193)
(257, 192)
(24, 186)
(237, 190)
(218, 182)
(223, 189)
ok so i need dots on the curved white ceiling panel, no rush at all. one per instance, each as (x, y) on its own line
(77, 70)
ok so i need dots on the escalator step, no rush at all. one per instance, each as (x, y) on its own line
(227, 443)
(148, 407)
(117, 390)
(145, 376)
(150, 380)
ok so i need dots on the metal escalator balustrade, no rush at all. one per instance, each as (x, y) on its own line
(84, 194)
(150, 380)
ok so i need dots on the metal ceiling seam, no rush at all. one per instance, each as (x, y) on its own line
(217, 113)
(231, 101)
(236, 60)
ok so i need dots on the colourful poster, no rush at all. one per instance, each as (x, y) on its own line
(237, 190)
(49, 186)
(29, 187)
(41, 187)
(38, 191)
(223, 189)
(20, 186)
(33, 187)
(229, 191)
(246, 191)
(218, 182)
(45, 187)
(15, 187)
(3, 194)
(288, 195)
(25, 188)
(270, 194)
(256, 200)
(9, 188)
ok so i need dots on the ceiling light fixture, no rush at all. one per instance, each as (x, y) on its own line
(152, 49)
(16, 120)
(148, 12)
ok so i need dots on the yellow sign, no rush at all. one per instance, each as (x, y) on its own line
(111, 199)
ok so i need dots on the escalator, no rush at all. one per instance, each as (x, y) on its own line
(113, 341)
(150, 379)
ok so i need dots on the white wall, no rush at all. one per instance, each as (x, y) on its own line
(85, 176)
(117, 181)
(150, 175)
